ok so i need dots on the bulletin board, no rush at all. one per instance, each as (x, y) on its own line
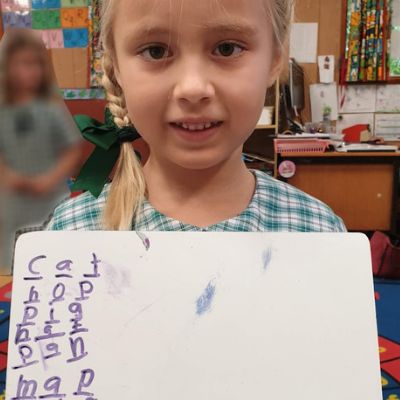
(70, 31)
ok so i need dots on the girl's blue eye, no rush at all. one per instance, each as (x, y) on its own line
(155, 52)
(228, 49)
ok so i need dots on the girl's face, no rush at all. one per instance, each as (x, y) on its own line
(25, 71)
(194, 74)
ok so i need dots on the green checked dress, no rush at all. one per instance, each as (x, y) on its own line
(32, 138)
(275, 206)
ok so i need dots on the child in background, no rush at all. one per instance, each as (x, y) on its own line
(39, 143)
(190, 77)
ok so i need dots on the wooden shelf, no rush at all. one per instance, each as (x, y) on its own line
(265, 126)
(354, 185)
(273, 95)
(338, 154)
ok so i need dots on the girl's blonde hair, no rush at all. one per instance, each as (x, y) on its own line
(14, 40)
(128, 187)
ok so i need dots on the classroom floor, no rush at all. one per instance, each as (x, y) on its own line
(387, 295)
(5, 302)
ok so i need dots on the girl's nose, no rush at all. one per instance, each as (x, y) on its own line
(193, 84)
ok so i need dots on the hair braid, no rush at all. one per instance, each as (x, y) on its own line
(128, 186)
(115, 96)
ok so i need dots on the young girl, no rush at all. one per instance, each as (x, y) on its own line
(191, 77)
(38, 142)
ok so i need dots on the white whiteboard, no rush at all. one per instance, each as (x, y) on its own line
(199, 316)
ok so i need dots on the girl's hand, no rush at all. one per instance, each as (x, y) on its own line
(41, 185)
(16, 183)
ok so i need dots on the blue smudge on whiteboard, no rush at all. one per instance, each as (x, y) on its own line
(204, 302)
(266, 258)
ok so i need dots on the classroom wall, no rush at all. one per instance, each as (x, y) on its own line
(94, 108)
(329, 16)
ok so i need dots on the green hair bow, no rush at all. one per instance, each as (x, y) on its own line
(107, 138)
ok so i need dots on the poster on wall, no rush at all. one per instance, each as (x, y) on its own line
(304, 42)
(95, 47)
(388, 98)
(388, 126)
(358, 99)
(324, 101)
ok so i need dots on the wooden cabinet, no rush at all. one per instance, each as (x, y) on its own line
(362, 188)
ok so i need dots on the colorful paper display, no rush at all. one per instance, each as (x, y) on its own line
(74, 17)
(76, 38)
(95, 50)
(84, 94)
(63, 25)
(42, 4)
(15, 5)
(17, 19)
(68, 21)
(53, 38)
(366, 36)
(74, 3)
(46, 19)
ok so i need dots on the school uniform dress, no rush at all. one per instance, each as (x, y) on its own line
(32, 137)
(275, 206)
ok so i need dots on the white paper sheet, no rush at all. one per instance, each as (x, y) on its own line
(388, 98)
(323, 95)
(326, 66)
(304, 42)
(387, 126)
(358, 99)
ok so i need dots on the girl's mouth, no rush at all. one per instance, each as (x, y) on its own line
(198, 132)
(198, 127)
